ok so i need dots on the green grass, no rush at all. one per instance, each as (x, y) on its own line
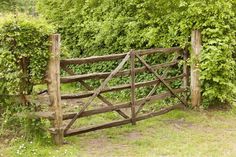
(177, 134)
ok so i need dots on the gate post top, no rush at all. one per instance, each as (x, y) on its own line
(55, 37)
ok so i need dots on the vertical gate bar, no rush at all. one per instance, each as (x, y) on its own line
(185, 69)
(132, 62)
(186, 73)
(53, 83)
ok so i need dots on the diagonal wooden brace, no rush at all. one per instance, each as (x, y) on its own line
(154, 88)
(88, 87)
(98, 90)
(104, 99)
(161, 79)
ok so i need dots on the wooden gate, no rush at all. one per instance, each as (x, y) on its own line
(135, 105)
(131, 65)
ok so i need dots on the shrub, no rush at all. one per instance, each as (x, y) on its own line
(24, 56)
(23, 53)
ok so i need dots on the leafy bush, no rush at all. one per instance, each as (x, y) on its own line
(23, 53)
(23, 60)
(91, 27)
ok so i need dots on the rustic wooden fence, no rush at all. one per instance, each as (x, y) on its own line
(62, 122)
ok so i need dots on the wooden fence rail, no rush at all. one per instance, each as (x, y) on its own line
(75, 78)
(112, 57)
(120, 87)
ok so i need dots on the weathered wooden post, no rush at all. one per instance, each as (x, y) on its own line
(195, 69)
(53, 82)
(132, 62)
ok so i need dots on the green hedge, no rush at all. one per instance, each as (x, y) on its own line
(92, 27)
(23, 45)
(22, 39)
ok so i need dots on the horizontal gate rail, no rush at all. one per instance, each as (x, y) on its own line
(138, 102)
(120, 87)
(122, 122)
(44, 98)
(75, 78)
(111, 57)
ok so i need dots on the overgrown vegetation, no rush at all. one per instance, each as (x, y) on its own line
(91, 27)
(24, 53)
(23, 61)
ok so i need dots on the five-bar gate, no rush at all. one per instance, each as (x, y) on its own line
(130, 65)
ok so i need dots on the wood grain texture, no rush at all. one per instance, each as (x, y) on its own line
(195, 69)
(132, 82)
(95, 59)
(53, 82)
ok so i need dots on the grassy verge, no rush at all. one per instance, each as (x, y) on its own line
(178, 133)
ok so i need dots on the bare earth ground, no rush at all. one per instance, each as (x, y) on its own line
(176, 134)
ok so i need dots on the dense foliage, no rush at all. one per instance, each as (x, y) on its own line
(23, 53)
(91, 27)
(23, 60)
